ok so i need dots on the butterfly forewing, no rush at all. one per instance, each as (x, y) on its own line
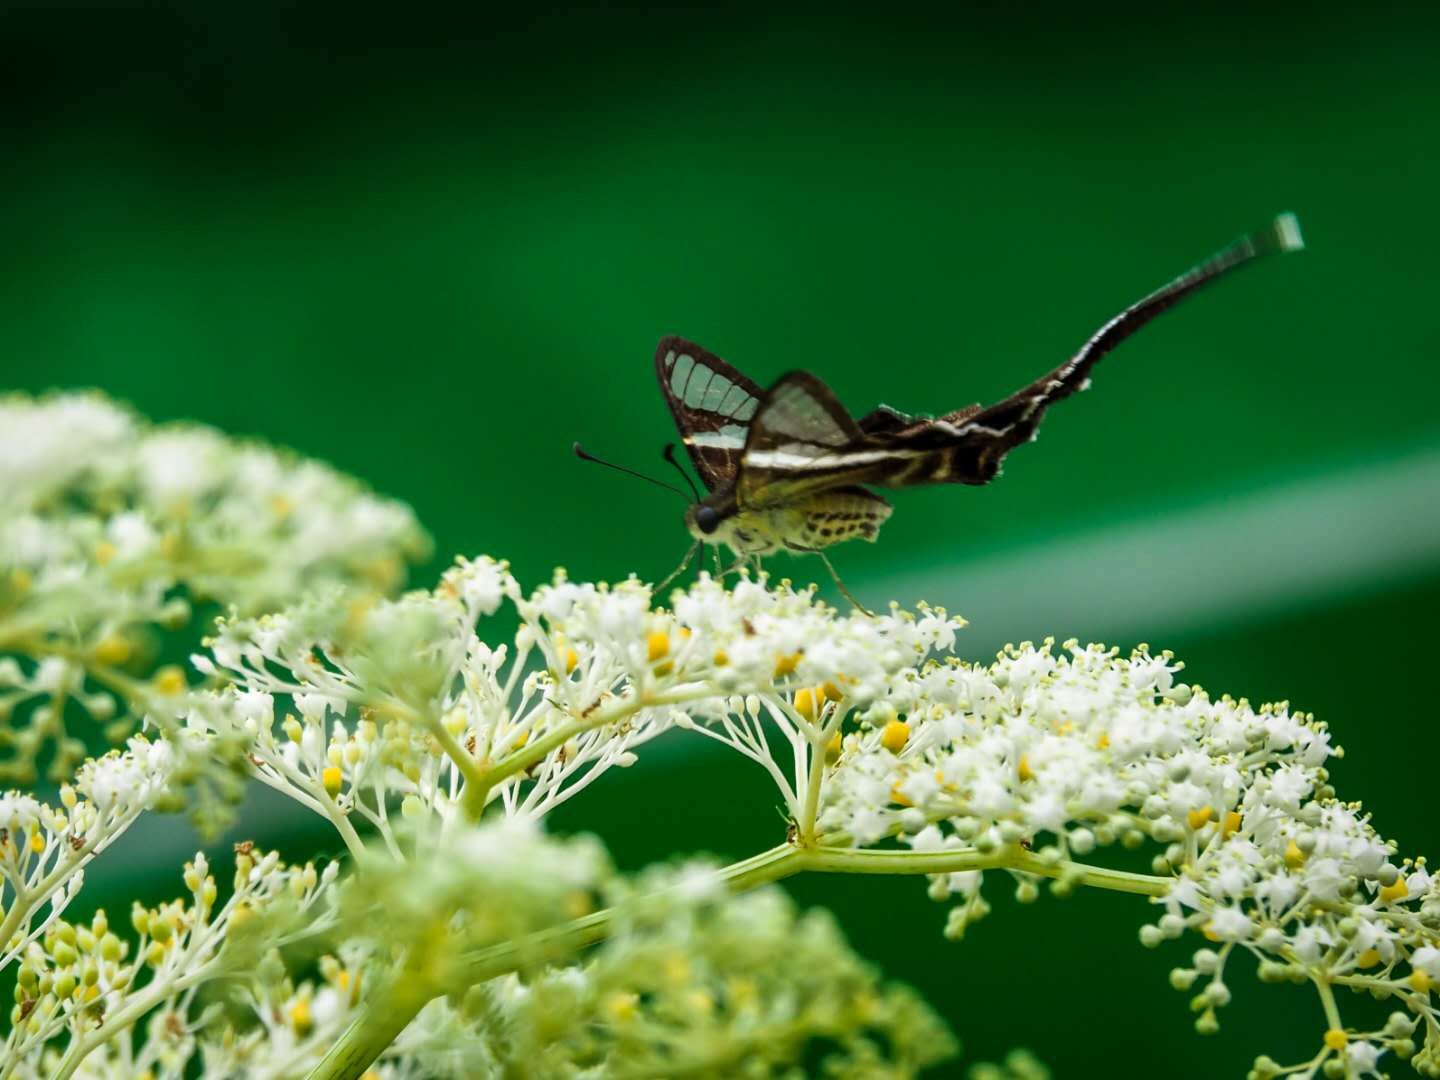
(802, 441)
(712, 404)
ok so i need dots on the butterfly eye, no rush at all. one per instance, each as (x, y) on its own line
(707, 519)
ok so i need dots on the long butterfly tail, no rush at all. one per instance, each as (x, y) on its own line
(983, 440)
(1281, 235)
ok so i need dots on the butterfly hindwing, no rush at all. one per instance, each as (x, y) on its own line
(802, 441)
(983, 439)
(712, 404)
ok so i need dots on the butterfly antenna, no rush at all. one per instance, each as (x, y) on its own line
(585, 455)
(669, 455)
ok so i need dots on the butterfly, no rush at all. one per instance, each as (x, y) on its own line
(788, 468)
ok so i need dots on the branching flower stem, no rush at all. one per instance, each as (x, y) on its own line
(479, 787)
(386, 1016)
(816, 742)
(26, 899)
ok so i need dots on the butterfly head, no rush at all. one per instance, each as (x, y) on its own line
(705, 522)
(745, 532)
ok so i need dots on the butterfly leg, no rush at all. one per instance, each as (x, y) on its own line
(689, 554)
(846, 592)
(734, 566)
(719, 574)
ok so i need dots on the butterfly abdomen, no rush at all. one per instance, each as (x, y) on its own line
(833, 517)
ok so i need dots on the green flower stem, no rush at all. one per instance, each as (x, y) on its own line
(1327, 1002)
(811, 808)
(469, 769)
(478, 790)
(463, 760)
(385, 1017)
(337, 817)
(136, 1006)
(26, 900)
(859, 861)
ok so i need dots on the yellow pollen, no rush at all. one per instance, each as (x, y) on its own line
(170, 680)
(657, 645)
(572, 659)
(1066, 728)
(721, 658)
(37, 842)
(1232, 823)
(1209, 932)
(356, 614)
(300, 1018)
(785, 665)
(1103, 742)
(685, 633)
(742, 992)
(833, 747)
(1294, 857)
(1368, 958)
(384, 573)
(898, 796)
(831, 692)
(1336, 1039)
(281, 506)
(1198, 818)
(112, 649)
(104, 552)
(895, 736)
(805, 702)
(331, 779)
(1421, 981)
(1391, 893)
(676, 968)
(1025, 772)
(621, 1007)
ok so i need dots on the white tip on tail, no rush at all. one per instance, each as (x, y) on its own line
(1286, 229)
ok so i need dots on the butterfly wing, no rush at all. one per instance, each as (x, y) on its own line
(712, 403)
(802, 441)
(883, 420)
(967, 446)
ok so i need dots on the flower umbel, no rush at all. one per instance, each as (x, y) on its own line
(436, 730)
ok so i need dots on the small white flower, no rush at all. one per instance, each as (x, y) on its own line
(1363, 1057)
(1231, 924)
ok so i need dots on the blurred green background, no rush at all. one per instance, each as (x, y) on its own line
(435, 247)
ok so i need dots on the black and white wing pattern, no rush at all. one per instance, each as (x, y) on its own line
(974, 441)
(712, 403)
(802, 441)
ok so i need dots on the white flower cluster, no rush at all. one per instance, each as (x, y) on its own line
(109, 526)
(85, 485)
(1060, 753)
(405, 699)
(81, 988)
(873, 734)
(44, 849)
(693, 982)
